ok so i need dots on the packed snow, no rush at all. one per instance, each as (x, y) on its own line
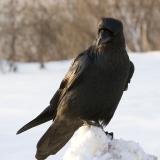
(91, 143)
(26, 93)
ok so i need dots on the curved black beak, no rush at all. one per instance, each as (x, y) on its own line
(103, 40)
(104, 37)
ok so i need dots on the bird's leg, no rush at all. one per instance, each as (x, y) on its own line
(110, 134)
(97, 124)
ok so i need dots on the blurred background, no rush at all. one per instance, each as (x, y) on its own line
(37, 30)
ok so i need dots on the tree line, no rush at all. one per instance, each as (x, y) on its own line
(37, 30)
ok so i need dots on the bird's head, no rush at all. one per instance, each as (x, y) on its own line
(110, 33)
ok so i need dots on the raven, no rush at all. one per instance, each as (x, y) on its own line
(90, 91)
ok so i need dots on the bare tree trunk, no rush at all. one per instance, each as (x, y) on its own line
(12, 65)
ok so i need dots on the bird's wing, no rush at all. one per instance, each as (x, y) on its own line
(75, 73)
(62, 130)
(72, 78)
(131, 71)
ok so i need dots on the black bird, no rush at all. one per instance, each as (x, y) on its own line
(90, 91)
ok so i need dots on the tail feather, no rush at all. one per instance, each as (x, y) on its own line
(45, 116)
(48, 114)
(58, 134)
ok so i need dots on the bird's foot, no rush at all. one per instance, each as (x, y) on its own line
(110, 134)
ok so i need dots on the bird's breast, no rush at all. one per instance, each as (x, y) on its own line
(98, 93)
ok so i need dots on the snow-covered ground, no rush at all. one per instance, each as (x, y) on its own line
(91, 143)
(25, 94)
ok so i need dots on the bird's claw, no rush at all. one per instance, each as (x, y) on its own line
(110, 134)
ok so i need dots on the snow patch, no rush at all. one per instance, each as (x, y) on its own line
(91, 143)
(24, 94)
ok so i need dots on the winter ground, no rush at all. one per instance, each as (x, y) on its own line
(25, 94)
(91, 143)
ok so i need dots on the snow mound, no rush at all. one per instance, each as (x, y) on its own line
(91, 143)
